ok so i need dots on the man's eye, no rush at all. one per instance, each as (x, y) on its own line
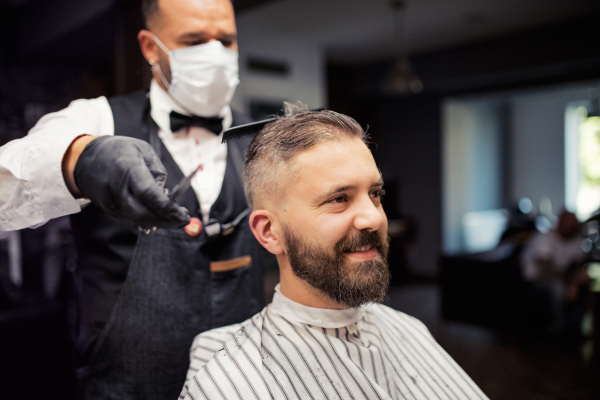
(339, 199)
(378, 193)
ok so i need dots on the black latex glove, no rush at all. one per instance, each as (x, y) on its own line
(125, 178)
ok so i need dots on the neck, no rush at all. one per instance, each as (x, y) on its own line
(298, 290)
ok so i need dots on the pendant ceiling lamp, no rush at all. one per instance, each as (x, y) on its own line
(402, 79)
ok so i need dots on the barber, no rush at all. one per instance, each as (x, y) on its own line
(143, 294)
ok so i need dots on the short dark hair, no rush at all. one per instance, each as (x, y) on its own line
(269, 165)
(149, 10)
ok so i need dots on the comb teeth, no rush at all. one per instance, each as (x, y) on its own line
(251, 129)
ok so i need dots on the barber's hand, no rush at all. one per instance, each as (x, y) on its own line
(125, 178)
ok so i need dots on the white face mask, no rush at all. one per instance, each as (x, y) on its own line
(203, 77)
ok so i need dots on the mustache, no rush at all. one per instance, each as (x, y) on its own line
(363, 238)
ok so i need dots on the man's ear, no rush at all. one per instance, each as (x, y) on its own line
(262, 225)
(148, 46)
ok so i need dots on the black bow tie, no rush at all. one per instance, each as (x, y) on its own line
(180, 121)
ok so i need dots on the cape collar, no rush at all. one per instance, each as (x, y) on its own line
(321, 317)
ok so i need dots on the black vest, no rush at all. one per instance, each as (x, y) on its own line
(105, 244)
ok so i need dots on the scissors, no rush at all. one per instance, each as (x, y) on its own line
(178, 189)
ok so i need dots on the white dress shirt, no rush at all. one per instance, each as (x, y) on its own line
(290, 351)
(32, 188)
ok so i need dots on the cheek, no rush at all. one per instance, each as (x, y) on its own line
(384, 226)
(333, 228)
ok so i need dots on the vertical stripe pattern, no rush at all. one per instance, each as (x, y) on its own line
(385, 354)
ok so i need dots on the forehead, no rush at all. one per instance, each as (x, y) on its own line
(333, 164)
(189, 15)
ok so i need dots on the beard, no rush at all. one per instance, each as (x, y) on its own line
(350, 283)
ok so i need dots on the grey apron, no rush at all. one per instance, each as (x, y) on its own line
(143, 351)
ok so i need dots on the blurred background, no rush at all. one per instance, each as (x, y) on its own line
(485, 118)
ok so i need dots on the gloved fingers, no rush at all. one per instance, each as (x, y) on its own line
(134, 210)
(171, 214)
(150, 195)
(146, 219)
(125, 177)
(155, 166)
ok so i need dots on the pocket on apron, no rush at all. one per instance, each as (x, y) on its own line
(234, 290)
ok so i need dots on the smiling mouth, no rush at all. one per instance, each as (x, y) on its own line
(364, 253)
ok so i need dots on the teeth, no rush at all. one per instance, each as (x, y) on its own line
(361, 249)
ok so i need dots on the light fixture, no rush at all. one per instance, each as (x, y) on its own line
(402, 79)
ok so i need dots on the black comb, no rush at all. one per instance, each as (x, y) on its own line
(240, 131)
(251, 129)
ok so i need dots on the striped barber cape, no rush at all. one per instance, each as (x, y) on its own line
(290, 351)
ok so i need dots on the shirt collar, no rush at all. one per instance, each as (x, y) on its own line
(162, 105)
(321, 317)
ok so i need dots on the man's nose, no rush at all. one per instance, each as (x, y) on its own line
(368, 216)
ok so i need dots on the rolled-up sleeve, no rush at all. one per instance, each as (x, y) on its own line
(32, 187)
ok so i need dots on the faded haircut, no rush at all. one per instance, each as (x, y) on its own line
(149, 10)
(270, 165)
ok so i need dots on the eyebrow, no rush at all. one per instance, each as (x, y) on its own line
(202, 35)
(343, 189)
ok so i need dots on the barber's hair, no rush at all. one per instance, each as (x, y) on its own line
(269, 164)
(149, 10)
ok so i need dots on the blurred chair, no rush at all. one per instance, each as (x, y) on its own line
(484, 289)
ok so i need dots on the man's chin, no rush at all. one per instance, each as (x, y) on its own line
(366, 282)
(358, 287)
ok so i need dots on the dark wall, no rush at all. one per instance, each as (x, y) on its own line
(409, 153)
(407, 129)
(49, 57)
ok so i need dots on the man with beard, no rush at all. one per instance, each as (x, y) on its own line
(315, 192)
